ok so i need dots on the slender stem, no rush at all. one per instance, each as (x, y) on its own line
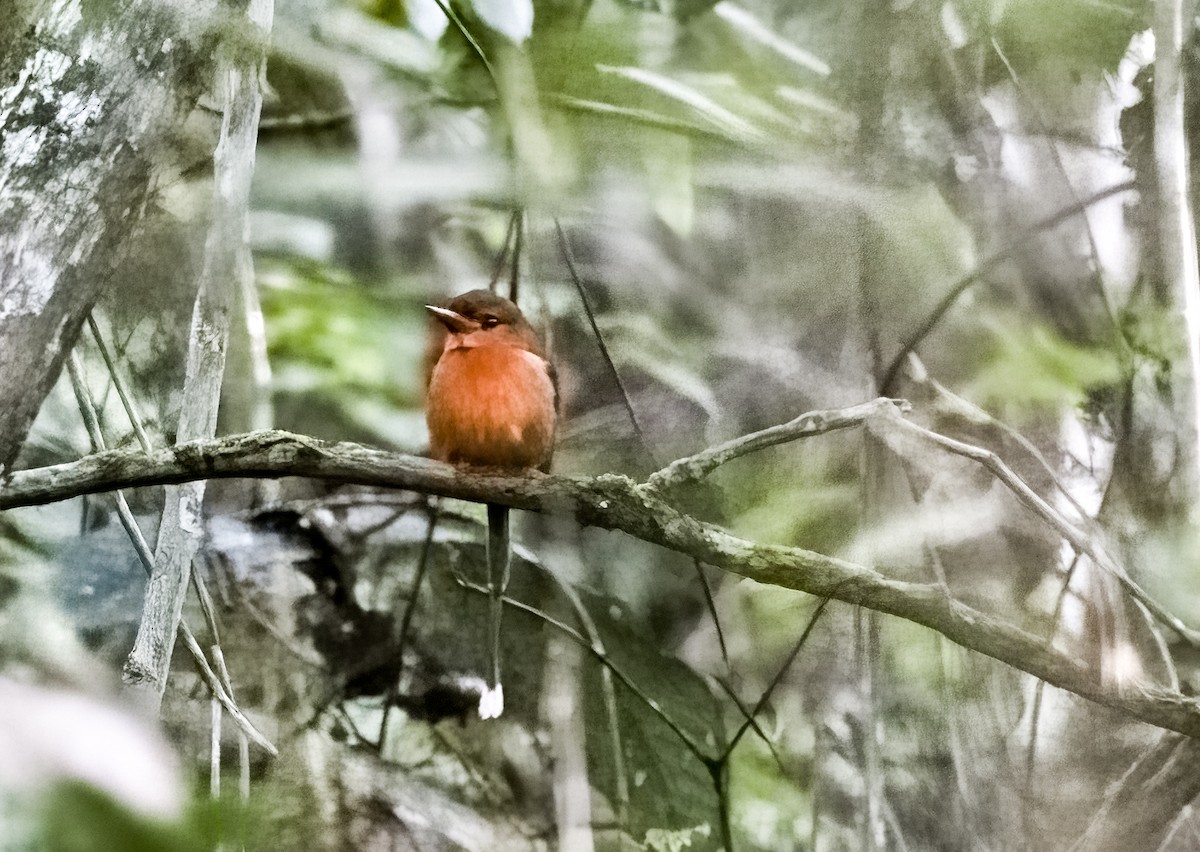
(407, 618)
(1052, 145)
(643, 442)
(449, 12)
(145, 554)
(502, 257)
(778, 679)
(684, 737)
(1176, 225)
(569, 258)
(118, 380)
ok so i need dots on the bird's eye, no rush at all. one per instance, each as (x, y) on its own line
(490, 322)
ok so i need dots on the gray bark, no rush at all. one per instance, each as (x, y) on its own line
(227, 268)
(87, 124)
(617, 503)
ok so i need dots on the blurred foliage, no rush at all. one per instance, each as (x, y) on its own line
(340, 348)
(1032, 367)
(1032, 32)
(763, 201)
(96, 823)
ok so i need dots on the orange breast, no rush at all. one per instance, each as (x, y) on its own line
(491, 405)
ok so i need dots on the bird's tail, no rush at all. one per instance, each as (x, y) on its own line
(491, 702)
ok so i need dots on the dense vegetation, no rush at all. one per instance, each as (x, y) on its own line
(965, 621)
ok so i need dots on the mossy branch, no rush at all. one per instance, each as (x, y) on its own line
(609, 502)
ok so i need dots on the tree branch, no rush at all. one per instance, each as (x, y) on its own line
(890, 426)
(227, 265)
(609, 502)
(1176, 224)
(807, 425)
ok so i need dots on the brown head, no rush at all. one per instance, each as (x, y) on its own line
(481, 318)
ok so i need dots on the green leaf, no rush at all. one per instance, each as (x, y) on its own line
(1084, 34)
(668, 162)
(1031, 366)
(646, 118)
(80, 818)
(661, 840)
(671, 792)
(752, 28)
(679, 9)
(700, 104)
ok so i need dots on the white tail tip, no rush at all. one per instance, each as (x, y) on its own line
(491, 702)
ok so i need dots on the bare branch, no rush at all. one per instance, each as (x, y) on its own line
(889, 425)
(987, 265)
(609, 502)
(1176, 224)
(227, 263)
(1139, 809)
(806, 425)
(145, 554)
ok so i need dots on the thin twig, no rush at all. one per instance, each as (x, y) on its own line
(135, 421)
(987, 265)
(569, 259)
(243, 742)
(146, 556)
(713, 765)
(778, 679)
(1033, 501)
(502, 257)
(1052, 143)
(567, 630)
(748, 716)
(118, 380)
(284, 642)
(807, 425)
(710, 604)
(607, 691)
(449, 12)
(406, 619)
(960, 407)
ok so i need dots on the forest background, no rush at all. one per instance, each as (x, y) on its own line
(872, 522)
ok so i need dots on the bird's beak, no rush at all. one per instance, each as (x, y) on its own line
(453, 320)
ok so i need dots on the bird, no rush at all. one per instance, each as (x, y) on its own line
(491, 402)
